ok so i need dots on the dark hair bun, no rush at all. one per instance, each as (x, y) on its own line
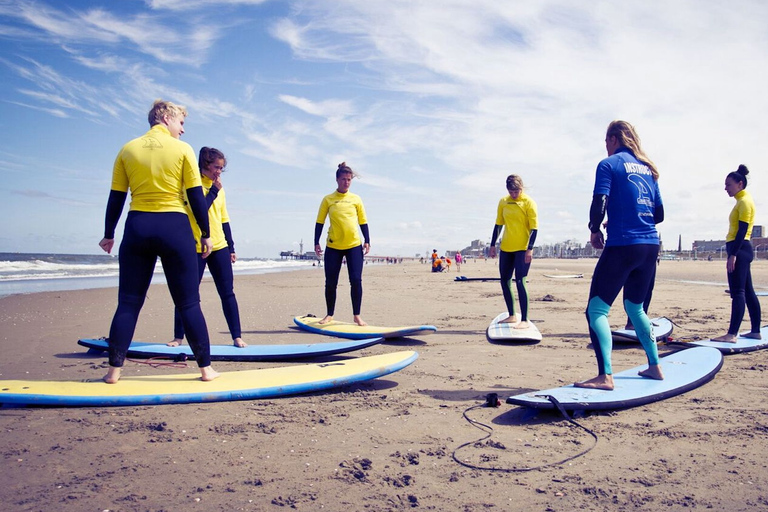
(343, 165)
(742, 170)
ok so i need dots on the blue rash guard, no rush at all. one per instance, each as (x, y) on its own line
(627, 183)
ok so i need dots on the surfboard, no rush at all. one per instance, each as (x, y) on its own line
(232, 353)
(465, 278)
(662, 328)
(506, 332)
(355, 332)
(742, 344)
(188, 388)
(683, 371)
(564, 276)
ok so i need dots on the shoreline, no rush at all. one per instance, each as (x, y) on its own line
(387, 444)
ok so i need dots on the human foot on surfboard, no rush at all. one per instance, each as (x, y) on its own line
(727, 338)
(207, 374)
(606, 381)
(511, 319)
(176, 342)
(357, 319)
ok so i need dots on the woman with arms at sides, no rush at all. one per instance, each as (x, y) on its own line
(626, 187)
(518, 216)
(157, 168)
(212, 163)
(740, 256)
(347, 215)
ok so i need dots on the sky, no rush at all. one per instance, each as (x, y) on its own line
(432, 102)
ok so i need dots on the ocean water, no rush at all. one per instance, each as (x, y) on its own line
(30, 273)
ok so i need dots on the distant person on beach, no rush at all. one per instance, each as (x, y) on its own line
(457, 258)
(738, 245)
(626, 187)
(518, 217)
(212, 163)
(347, 217)
(158, 168)
(437, 265)
(447, 263)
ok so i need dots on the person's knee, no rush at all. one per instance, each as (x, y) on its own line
(597, 308)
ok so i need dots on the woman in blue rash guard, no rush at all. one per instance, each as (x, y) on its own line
(157, 168)
(518, 216)
(626, 188)
(346, 212)
(740, 256)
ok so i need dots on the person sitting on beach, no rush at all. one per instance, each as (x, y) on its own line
(437, 265)
(740, 256)
(158, 168)
(346, 213)
(626, 186)
(212, 163)
(517, 215)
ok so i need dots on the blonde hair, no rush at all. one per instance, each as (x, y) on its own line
(162, 108)
(627, 137)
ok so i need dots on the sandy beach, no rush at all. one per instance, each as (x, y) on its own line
(387, 444)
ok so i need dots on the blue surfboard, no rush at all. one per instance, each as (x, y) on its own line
(141, 350)
(188, 388)
(742, 344)
(683, 371)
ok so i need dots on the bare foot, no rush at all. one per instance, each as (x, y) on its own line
(208, 374)
(653, 372)
(511, 319)
(523, 325)
(239, 343)
(599, 382)
(328, 319)
(753, 336)
(359, 321)
(113, 375)
(726, 338)
(176, 342)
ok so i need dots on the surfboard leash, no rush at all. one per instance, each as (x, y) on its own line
(158, 362)
(493, 401)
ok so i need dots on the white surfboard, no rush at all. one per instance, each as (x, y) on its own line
(662, 328)
(742, 344)
(498, 331)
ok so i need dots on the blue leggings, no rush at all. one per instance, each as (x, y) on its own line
(514, 263)
(742, 291)
(220, 264)
(633, 268)
(333, 259)
(147, 236)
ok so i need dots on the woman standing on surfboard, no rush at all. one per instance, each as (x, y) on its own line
(518, 216)
(157, 168)
(740, 256)
(212, 163)
(346, 213)
(626, 187)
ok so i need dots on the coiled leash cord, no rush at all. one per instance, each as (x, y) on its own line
(493, 401)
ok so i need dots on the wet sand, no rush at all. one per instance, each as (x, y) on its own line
(387, 444)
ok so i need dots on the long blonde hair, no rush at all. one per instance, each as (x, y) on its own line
(627, 137)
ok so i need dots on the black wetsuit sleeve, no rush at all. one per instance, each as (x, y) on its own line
(318, 232)
(115, 205)
(658, 214)
(199, 210)
(532, 239)
(495, 235)
(735, 245)
(597, 212)
(228, 237)
(210, 197)
(366, 236)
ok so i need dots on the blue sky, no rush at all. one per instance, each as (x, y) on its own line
(433, 102)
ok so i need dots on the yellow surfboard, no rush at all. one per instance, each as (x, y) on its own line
(355, 332)
(188, 388)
